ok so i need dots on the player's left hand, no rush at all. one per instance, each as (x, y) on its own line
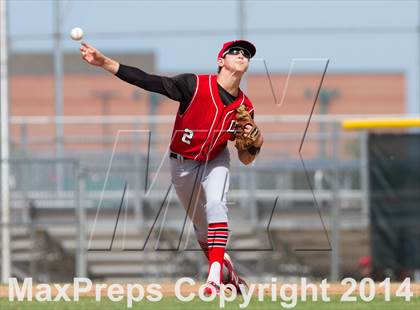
(247, 132)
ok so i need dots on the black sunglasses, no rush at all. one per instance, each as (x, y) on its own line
(237, 51)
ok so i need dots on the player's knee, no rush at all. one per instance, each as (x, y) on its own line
(215, 204)
(216, 211)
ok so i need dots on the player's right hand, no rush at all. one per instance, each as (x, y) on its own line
(91, 55)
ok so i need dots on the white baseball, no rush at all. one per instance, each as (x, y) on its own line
(76, 33)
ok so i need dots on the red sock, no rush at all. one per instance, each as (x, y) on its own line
(217, 237)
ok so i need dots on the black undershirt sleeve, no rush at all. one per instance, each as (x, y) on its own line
(179, 88)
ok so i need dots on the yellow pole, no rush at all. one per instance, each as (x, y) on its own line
(360, 124)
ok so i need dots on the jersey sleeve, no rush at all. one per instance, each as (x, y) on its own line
(179, 88)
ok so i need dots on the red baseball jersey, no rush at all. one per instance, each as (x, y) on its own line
(202, 131)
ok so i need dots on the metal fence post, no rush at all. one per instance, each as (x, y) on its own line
(335, 206)
(4, 149)
(253, 211)
(80, 198)
(364, 174)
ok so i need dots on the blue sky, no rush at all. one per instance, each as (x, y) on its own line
(357, 36)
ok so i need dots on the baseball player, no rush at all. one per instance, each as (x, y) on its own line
(212, 111)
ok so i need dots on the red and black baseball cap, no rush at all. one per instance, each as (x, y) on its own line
(238, 43)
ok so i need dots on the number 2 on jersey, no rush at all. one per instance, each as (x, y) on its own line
(187, 136)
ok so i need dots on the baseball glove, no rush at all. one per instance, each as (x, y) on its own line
(243, 118)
